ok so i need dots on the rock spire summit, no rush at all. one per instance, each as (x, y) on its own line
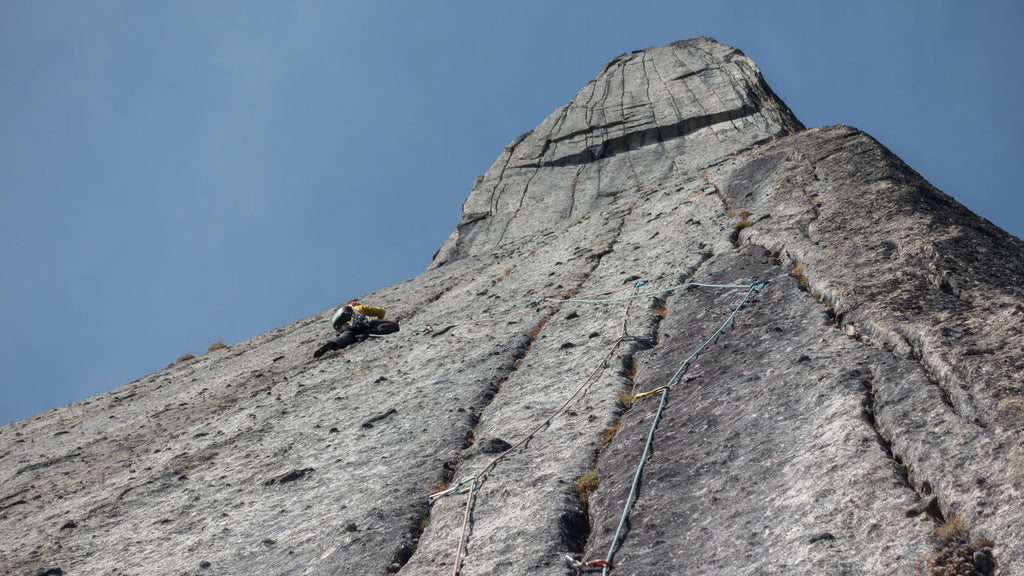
(649, 115)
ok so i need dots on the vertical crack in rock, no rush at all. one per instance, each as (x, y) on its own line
(837, 321)
(526, 190)
(685, 80)
(868, 413)
(548, 141)
(496, 190)
(951, 531)
(730, 115)
(577, 525)
(574, 521)
(910, 345)
(664, 133)
(655, 132)
(473, 444)
(572, 192)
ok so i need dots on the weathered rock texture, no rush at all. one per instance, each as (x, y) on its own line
(870, 392)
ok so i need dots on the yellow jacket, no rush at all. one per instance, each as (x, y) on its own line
(365, 310)
(352, 317)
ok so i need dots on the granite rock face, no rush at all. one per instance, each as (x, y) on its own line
(869, 394)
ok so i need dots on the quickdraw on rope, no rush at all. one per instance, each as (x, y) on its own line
(752, 288)
(457, 489)
(580, 565)
(647, 394)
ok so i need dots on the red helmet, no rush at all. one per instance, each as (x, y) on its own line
(354, 303)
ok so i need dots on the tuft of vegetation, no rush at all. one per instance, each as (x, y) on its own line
(798, 271)
(535, 331)
(216, 346)
(743, 215)
(952, 531)
(955, 555)
(587, 485)
(609, 434)
(184, 358)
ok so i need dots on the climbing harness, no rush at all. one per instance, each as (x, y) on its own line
(471, 485)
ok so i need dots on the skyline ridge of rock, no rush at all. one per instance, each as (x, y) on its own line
(868, 393)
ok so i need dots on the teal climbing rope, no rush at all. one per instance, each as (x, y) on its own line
(752, 288)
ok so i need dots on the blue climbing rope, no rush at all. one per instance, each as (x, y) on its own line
(755, 287)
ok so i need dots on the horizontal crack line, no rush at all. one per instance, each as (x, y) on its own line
(638, 138)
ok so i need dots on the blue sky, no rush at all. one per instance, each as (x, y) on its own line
(174, 174)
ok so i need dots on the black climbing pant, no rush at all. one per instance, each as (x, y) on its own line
(347, 337)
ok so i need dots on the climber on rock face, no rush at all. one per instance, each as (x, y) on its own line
(353, 322)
